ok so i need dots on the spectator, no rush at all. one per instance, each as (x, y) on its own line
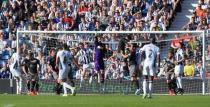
(1, 40)
(83, 25)
(188, 69)
(4, 71)
(199, 70)
(200, 12)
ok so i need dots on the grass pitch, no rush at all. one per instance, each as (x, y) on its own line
(103, 101)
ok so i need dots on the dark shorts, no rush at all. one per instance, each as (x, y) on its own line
(99, 66)
(170, 75)
(32, 77)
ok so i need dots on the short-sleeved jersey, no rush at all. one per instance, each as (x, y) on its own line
(32, 65)
(84, 56)
(132, 58)
(64, 58)
(179, 55)
(52, 62)
(15, 60)
(151, 52)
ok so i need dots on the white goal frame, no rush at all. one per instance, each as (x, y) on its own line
(129, 32)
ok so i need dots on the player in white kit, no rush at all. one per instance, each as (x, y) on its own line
(179, 67)
(15, 69)
(63, 62)
(152, 55)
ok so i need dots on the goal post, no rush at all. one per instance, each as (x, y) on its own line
(111, 39)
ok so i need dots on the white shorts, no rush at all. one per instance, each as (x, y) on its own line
(178, 69)
(63, 73)
(88, 66)
(149, 70)
(15, 72)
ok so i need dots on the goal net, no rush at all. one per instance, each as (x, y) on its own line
(118, 81)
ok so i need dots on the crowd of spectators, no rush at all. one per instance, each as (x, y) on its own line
(200, 19)
(82, 15)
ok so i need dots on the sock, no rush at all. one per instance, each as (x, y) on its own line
(132, 83)
(33, 85)
(81, 80)
(37, 86)
(173, 84)
(169, 85)
(102, 78)
(179, 80)
(18, 87)
(67, 85)
(99, 78)
(177, 83)
(91, 78)
(64, 89)
(29, 86)
(150, 88)
(145, 87)
(137, 84)
(72, 83)
(58, 88)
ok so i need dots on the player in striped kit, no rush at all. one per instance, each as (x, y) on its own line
(84, 59)
(179, 66)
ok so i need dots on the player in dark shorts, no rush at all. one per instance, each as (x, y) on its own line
(51, 60)
(132, 65)
(99, 55)
(31, 69)
(168, 68)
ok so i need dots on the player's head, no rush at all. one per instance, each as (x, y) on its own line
(133, 46)
(170, 54)
(86, 45)
(30, 54)
(81, 45)
(52, 52)
(152, 39)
